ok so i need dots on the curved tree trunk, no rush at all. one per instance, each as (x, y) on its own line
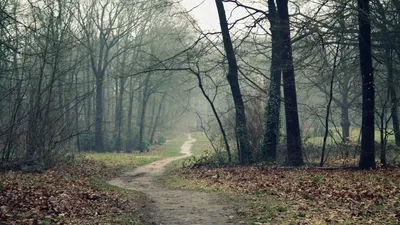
(221, 127)
(241, 129)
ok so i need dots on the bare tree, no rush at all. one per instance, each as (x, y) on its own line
(367, 156)
(232, 76)
(294, 148)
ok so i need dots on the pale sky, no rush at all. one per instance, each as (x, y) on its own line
(206, 14)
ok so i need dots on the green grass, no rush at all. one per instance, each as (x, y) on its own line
(123, 160)
(354, 135)
(172, 147)
(199, 148)
(201, 145)
(128, 161)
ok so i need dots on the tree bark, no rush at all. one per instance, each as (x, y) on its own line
(153, 115)
(99, 146)
(294, 150)
(129, 134)
(76, 107)
(272, 110)
(232, 76)
(345, 123)
(88, 104)
(367, 156)
(392, 92)
(154, 128)
(382, 132)
(120, 108)
(142, 121)
(116, 110)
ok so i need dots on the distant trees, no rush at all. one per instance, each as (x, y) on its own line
(57, 59)
(110, 75)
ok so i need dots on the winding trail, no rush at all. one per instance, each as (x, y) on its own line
(175, 207)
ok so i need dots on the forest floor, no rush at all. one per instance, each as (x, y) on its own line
(173, 206)
(276, 195)
(74, 193)
(152, 188)
(77, 192)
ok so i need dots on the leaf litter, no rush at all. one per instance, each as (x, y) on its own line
(65, 195)
(309, 196)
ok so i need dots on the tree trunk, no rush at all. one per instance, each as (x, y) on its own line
(272, 111)
(108, 108)
(389, 41)
(217, 117)
(154, 129)
(152, 117)
(142, 121)
(232, 76)
(129, 134)
(139, 109)
(294, 150)
(78, 144)
(120, 108)
(88, 107)
(99, 147)
(116, 110)
(393, 96)
(382, 132)
(395, 117)
(367, 156)
(345, 123)
(328, 107)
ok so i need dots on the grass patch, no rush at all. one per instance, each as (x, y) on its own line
(126, 161)
(129, 161)
(201, 145)
(172, 147)
(354, 136)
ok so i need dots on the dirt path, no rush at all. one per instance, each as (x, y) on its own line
(175, 207)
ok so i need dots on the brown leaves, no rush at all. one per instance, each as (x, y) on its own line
(322, 195)
(58, 196)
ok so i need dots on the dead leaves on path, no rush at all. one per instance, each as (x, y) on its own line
(313, 196)
(58, 196)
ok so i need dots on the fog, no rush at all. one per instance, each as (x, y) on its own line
(121, 76)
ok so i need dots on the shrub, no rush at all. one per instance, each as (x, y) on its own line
(208, 159)
(87, 141)
(161, 140)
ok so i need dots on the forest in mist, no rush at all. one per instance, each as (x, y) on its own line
(295, 83)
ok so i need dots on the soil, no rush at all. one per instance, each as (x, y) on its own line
(174, 207)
